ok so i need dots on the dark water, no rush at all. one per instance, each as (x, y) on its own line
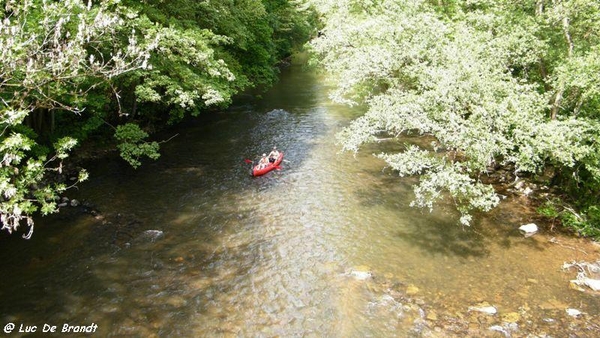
(327, 246)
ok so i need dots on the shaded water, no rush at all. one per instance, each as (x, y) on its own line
(284, 254)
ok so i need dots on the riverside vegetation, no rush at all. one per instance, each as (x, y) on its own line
(72, 69)
(490, 84)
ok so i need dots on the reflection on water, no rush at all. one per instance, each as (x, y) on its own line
(327, 246)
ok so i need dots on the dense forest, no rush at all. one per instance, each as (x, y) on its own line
(489, 85)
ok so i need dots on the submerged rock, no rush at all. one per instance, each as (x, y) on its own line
(361, 272)
(412, 290)
(593, 284)
(511, 317)
(361, 275)
(506, 329)
(588, 275)
(500, 329)
(151, 235)
(431, 316)
(490, 310)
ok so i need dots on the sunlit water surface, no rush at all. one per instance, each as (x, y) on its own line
(285, 254)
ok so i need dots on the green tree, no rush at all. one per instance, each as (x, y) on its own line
(52, 57)
(209, 51)
(70, 68)
(481, 80)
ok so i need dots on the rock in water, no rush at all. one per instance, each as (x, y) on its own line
(490, 310)
(151, 235)
(594, 284)
(573, 312)
(528, 229)
(361, 274)
(500, 329)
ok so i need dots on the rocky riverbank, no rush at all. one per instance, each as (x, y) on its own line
(425, 318)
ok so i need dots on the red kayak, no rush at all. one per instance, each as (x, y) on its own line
(269, 167)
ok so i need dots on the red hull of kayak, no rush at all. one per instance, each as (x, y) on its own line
(271, 166)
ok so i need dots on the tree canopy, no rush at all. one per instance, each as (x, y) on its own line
(492, 83)
(72, 68)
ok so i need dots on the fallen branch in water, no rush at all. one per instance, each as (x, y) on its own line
(170, 138)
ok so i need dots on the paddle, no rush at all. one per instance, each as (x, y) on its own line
(248, 161)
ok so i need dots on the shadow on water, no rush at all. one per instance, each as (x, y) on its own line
(446, 239)
(439, 232)
(436, 233)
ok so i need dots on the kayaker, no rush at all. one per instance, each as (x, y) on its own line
(273, 155)
(264, 161)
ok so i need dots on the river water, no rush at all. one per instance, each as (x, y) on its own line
(325, 247)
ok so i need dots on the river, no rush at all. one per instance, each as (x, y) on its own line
(325, 247)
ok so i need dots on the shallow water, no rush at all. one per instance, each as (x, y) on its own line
(327, 246)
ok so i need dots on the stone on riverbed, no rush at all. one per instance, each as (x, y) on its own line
(412, 290)
(483, 308)
(151, 235)
(506, 328)
(593, 284)
(361, 273)
(588, 275)
(511, 317)
(528, 229)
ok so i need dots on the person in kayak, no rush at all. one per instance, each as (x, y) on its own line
(264, 161)
(273, 155)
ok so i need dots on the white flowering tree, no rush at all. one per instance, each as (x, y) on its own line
(52, 54)
(493, 84)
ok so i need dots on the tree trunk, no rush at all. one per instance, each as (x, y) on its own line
(556, 104)
(134, 108)
(539, 7)
(42, 121)
(558, 97)
(52, 121)
(544, 74)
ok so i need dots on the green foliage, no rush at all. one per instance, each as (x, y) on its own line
(586, 223)
(133, 146)
(209, 51)
(71, 67)
(185, 74)
(292, 25)
(493, 82)
(549, 209)
(23, 183)
(51, 59)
